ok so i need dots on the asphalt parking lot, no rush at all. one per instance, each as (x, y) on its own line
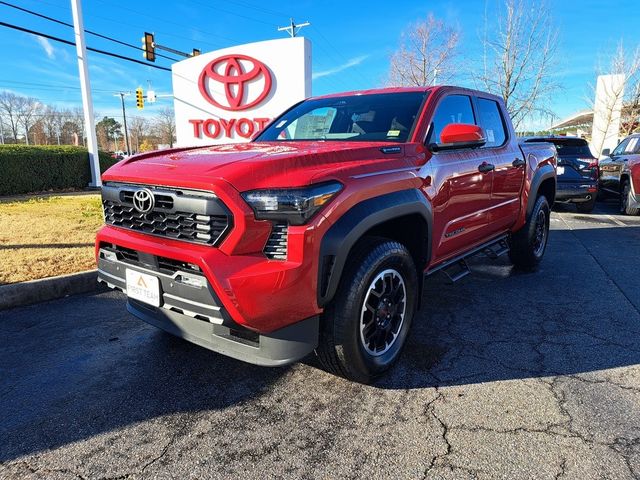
(506, 375)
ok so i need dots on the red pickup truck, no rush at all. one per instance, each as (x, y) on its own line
(318, 234)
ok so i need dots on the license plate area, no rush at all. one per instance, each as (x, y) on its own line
(143, 287)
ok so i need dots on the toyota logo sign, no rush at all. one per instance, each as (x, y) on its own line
(143, 200)
(229, 95)
(234, 73)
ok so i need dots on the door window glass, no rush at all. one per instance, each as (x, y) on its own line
(453, 109)
(491, 122)
(619, 150)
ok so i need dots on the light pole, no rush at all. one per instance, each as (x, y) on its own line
(124, 118)
(85, 89)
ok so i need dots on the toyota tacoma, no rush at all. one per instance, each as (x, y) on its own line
(319, 233)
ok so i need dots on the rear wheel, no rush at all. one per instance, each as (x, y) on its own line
(625, 200)
(530, 242)
(365, 327)
(586, 207)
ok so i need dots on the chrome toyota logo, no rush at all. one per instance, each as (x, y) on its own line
(143, 200)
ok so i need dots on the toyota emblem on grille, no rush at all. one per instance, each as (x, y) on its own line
(143, 200)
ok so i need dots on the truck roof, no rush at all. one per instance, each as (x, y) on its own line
(401, 90)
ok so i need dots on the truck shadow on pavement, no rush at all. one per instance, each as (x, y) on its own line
(82, 369)
(579, 313)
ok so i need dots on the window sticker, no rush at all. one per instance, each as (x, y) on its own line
(490, 136)
(393, 133)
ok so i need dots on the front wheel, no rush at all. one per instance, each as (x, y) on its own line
(365, 327)
(530, 242)
(625, 201)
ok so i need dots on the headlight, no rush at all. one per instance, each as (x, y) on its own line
(295, 205)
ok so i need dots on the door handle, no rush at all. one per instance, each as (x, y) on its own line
(518, 162)
(485, 167)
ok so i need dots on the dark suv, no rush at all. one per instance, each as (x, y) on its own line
(620, 174)
(577, 171)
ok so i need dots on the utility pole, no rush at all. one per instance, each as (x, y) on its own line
(124, 118)
(293, 29)
(85, 88)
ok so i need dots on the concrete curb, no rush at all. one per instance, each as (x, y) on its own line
(36, 291)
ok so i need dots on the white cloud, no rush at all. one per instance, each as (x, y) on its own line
(331, 71)
(46, 45)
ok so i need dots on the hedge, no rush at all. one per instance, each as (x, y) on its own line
(27, 169)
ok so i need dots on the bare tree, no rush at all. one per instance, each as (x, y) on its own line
(165, 126)
(11, 105)
(138, 127)
(50, 116)
(26, 116)
(518, 59)
(427, 53)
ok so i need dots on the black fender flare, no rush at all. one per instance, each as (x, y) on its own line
(338, 241)
(543, 173)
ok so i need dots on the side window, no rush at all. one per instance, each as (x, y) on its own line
(453, 109)
(491, 122)
(619, 150)
(632, 146)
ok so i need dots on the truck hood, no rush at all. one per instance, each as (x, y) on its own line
(255, 165)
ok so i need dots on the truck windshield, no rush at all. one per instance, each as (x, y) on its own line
(386, 117)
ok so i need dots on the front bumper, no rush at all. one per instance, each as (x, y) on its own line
(576, 192)
(197, 315)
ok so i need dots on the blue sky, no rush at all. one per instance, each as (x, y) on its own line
(352, 42)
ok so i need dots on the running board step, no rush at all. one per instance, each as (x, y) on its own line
(457, 271)
(457, 268)
(496, 250)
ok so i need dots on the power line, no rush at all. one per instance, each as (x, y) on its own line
(53, 86)
(169, 22)
(97, 50)
(121, 23)
(96, 34)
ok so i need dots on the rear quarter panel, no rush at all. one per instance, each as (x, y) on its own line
(539, 157)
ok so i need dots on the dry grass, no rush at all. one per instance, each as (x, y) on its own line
(43, 237)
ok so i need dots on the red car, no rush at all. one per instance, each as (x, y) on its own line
(620, 174)
(318, 234)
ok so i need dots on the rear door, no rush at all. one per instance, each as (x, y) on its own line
(506, 156)
(463, 193)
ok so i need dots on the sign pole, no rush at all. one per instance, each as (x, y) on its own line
(85, 87)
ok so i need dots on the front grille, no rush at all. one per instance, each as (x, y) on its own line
(197, 217)
(276, 247)
(164, 265)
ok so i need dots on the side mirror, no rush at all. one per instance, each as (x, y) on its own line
(606, 152)
(460, 135)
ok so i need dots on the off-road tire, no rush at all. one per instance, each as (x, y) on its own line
(624, 200)
(586, 207)
(342, 348)
(526, 251)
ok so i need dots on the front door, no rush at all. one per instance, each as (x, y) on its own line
(462, 186)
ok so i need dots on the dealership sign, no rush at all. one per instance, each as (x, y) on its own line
(228, 95)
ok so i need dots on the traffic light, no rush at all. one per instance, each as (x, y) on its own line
(148, 47)
(139, 98)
